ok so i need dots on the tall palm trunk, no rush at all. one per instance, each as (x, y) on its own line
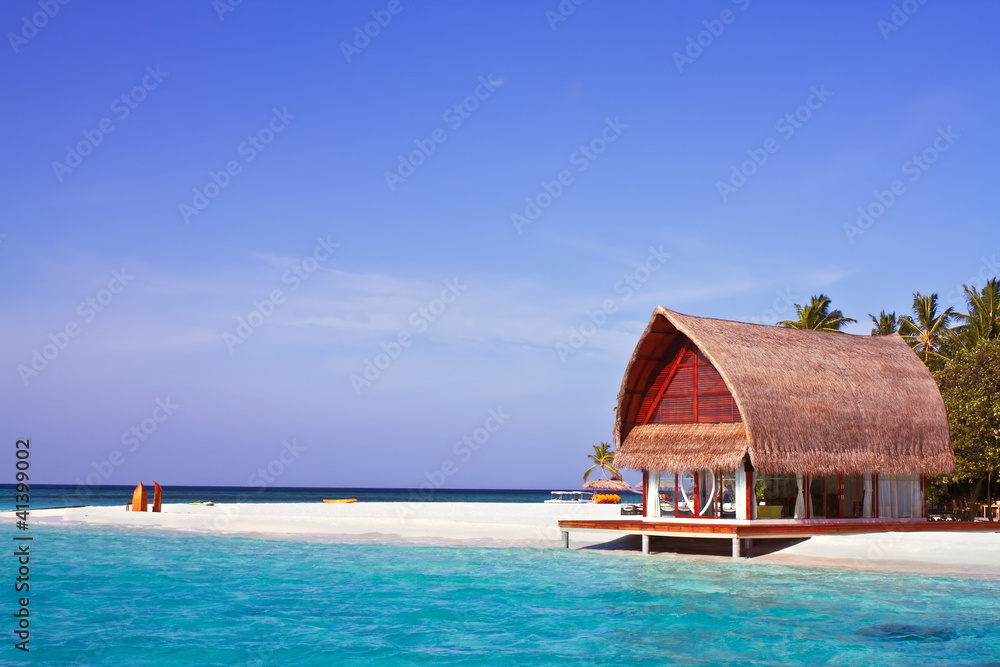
(974, 497)
(989, 496)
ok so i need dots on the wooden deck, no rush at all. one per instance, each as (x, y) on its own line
(741, 531)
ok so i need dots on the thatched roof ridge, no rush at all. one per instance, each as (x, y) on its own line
(812, 401)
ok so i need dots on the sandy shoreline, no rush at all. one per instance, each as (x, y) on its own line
(468, 524)
(529, 525)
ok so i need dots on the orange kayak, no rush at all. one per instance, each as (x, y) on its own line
(340, 500)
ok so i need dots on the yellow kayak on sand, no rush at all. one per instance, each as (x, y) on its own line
(340, 500)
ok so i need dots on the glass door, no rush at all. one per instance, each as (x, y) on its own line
(727, 495)
(695, 494)
(837, 496)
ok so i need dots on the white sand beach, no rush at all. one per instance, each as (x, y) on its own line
(459, 524)
(975, 554)
(527, 525)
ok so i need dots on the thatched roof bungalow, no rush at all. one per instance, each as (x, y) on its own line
(735, 420)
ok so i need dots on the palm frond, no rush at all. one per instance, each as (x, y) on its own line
(927, 330)
(817, 316)
(982, 321)
(885, 324)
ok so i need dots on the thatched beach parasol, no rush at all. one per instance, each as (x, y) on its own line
(607, 485)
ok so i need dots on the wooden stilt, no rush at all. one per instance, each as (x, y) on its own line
(565, 539)
(736, 547)
(645, 544)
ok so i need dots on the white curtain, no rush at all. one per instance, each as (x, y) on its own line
(741, 493)
(800, 499)
(899, 496)
(707, 500)
(653, 494)
(866, 505)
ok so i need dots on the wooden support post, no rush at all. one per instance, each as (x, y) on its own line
(645, 544)
(565, 538)
(736, 547)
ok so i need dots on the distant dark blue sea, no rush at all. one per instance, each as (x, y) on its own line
(50, 495)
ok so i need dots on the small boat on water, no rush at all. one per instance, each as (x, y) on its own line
(340, 500)
(570, 497)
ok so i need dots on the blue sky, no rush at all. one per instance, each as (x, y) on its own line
(620, 101)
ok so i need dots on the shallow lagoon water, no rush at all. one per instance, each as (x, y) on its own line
(142, 597)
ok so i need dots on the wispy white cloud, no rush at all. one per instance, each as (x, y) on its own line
(338, 309)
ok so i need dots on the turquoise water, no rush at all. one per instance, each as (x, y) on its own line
(134, 597)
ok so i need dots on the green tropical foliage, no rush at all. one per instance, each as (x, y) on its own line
(817, 316)
(885, 324)
(602, 457)
(927, 330)
(970, 386)
(982, 321)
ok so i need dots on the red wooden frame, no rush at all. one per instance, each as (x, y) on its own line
(777, 529)
(694, 403)
(644, 418)
(671, 369)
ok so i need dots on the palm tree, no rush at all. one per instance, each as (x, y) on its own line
(817, 316)
(927, 330)
(602, 457)
(885, 325)
(982, 322)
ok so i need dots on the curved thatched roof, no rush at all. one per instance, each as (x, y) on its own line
(607, 485)
(812, 402)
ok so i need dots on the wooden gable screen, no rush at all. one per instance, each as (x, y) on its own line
(688, 390)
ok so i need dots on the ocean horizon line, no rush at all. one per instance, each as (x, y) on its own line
(258, 489)
(50, 496)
